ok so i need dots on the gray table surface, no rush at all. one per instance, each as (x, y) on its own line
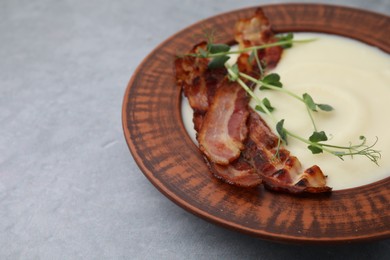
(69, 188)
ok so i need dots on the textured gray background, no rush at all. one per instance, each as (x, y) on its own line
(69, 188)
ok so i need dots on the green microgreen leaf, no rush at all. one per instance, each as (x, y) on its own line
(325, 107)
(218, 62)
(281, 131)
(309, 102)
(318, 137)
(233, 75)
(218, 48)
(315, 149)
(271, 79)
(286, 37)
(267, 104)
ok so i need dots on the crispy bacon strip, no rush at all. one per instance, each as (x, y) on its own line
(282, 172)
(221, 138)
(200, 85)
(197, 81)
(224, 127)
(257, 31)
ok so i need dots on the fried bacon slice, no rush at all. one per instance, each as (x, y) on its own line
(197, 81)
(278, 169)
(224, 127)
(237, 144)
(221, 138)
(257, 31)
(201, 85)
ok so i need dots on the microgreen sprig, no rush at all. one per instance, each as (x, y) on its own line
(272, 82)
(315, 141)
(220, 53)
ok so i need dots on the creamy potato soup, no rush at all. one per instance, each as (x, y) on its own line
(352, 77)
